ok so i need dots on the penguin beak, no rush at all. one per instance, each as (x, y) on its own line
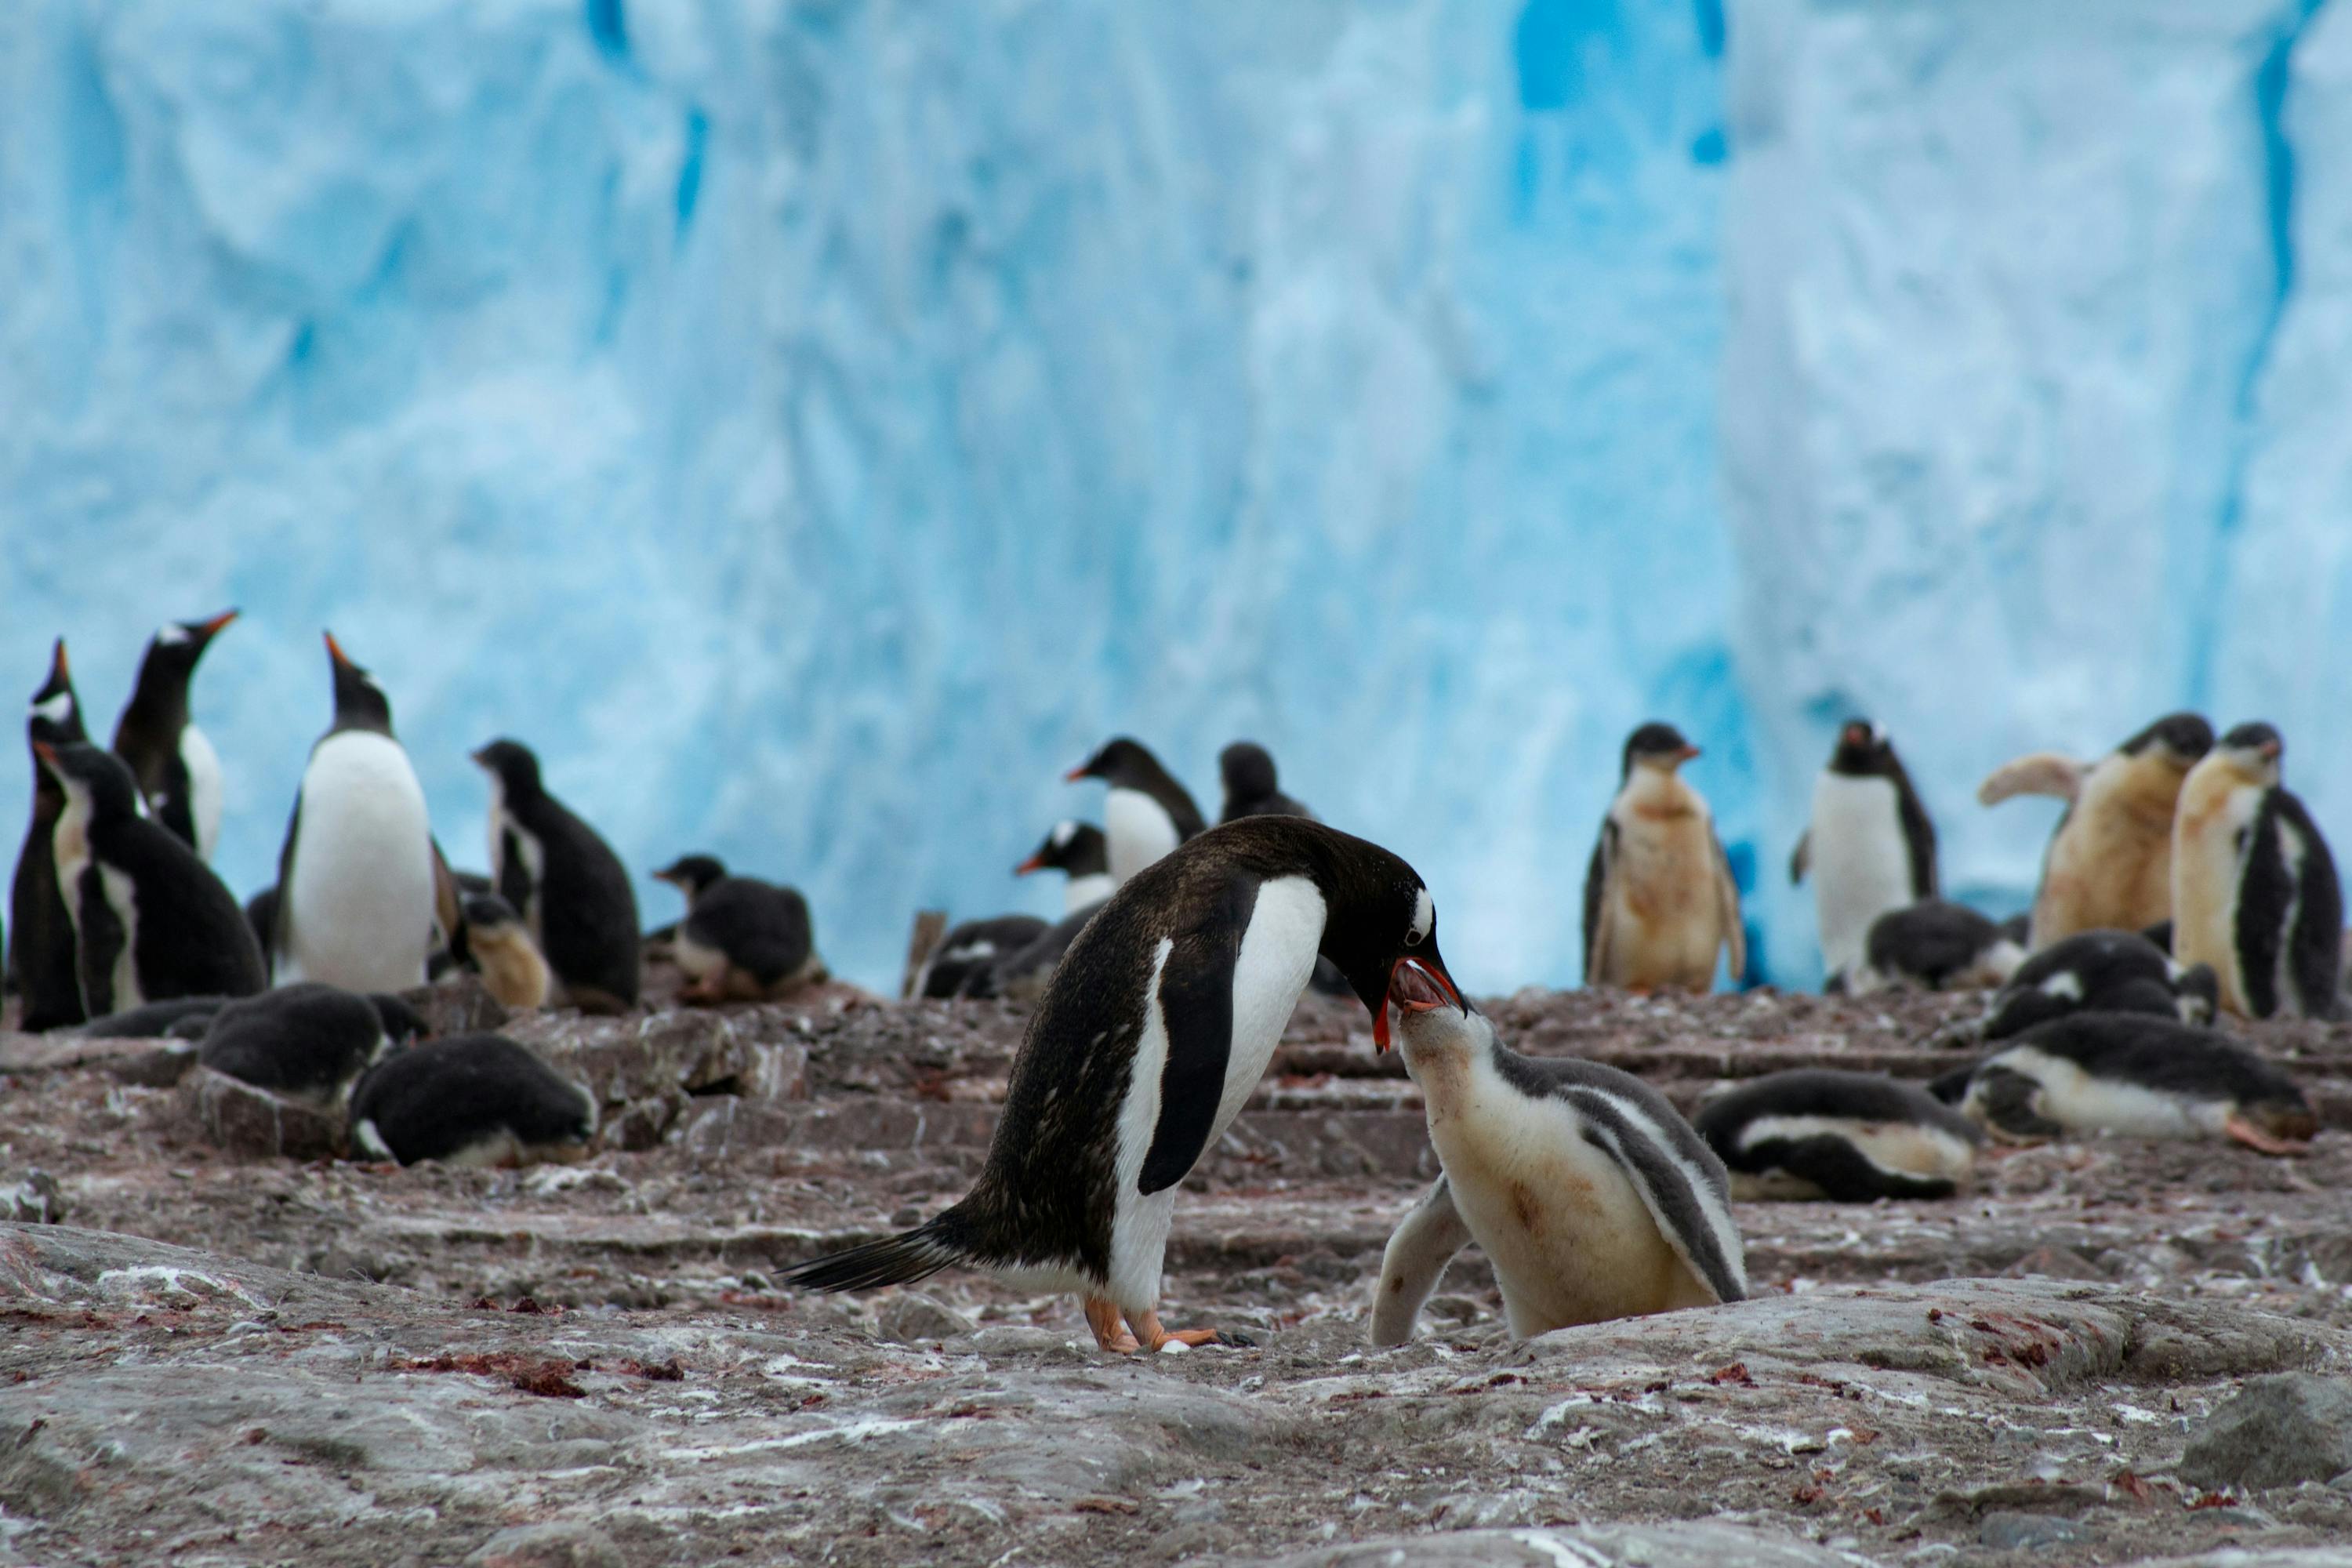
(59, 670)
(207, 630)
(1075, 774)
(1415, 985)
(1687, 753)
(335, 651)
(1034, 863)
(2268, 750)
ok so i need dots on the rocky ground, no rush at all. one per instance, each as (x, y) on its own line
(230, 1355)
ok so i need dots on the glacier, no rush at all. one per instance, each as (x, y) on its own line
(814, 427)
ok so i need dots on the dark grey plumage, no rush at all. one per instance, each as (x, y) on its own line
(469, 1097)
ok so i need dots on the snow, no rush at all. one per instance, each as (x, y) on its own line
(816, 427)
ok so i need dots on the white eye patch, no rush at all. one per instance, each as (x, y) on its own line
(56, 710)
(1062, 833)
(169, 634)
(1425, 918)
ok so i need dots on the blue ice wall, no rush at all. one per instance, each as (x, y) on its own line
(814, 427)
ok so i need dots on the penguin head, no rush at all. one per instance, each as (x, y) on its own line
(2179, 739)
(2197, 994)
(2252, 751)
(1121, 761)
(98, 781)
(177, 644)
(1863, 749)
(2286, 1117)
(512, 765)
(360, 703)
(1079, 848)
(1659, 746)
(54, 715)
(486, 914)
(1380, 928)
(1248, 770)
(692, 874)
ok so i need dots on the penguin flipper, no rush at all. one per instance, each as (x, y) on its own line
(1669, 1165)
(280, 944)
(1596, 886)
(1195, 1002)
(1800, 859)
(1423, 1243)
(2037, 772)
(1727, 906)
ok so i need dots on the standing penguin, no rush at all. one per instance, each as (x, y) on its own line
(1250, 787)
(504, 955)
(151, 921)
(1080, 852)
(1659, 899)
(1869, 846)
(40, 927)
(2109, 864)
(1147, 813)
(570, 889)
(1019, 970)
(2254, 892)
(1587, 1192)
(1155, 1028)
(356, 889)
(178, 772)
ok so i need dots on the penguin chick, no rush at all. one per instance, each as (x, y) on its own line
(1936, 945)
(570, 889)
(40, 927)
(967, 950)
(178, 772)
(2109, 864)
(1869, 845)
(742, 940)
(1659, 898)
(1154, 1031)
(1147, 813)
(356, 878)
(2255, 889)
(1591, 1196)
(504, 954)
(471, 1100)
(2139, 1076)
(183, 1018)
(2101, 971)
(1848, 1137)
(151, 921)
(1251, 790)
(305, 1042)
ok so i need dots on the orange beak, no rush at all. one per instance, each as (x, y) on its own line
(335, 649)
(1415, 985)
(59, 670)
(1075, 774)
(213, 626)
(1034, 863)
(1687, 753)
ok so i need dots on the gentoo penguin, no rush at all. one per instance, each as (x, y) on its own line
(571, 889)
(261, 914)
(1849, 1137)
(1589, 1195)
(2139, 1076)
(40, 927)
(1154, 1029)
(1934, 944)
(471, 1100)
(180, 1018)
(968, 949)
(179, 773)
(151, 921)
(1147, 813)
(305, 1042)
(742, 940)
(1250, 786)
(1869, 846)
(2101, 971)
(1659, 899)
(1019, 969)
(1082, 854)
(2254, 892)
(356, 886)
(2109, 864)
(504, 954)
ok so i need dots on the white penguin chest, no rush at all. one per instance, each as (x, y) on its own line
(360, 901)
(1861, 862)
(2208, 862)
(1138, 831)
(204, 770)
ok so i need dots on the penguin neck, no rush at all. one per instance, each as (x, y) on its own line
(1084, 892)
(158, 706)
(1657, 793)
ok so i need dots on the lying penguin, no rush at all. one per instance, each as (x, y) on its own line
(2139, 1076)
(1849, 1137)
(1591, 1196)
(742, 940)
(1934, 945)
(471, 1100)
(2101, 971)
(306, 1041)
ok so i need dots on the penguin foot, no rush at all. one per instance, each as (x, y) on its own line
(1102, 1317)
(2242, 1130)
(1150, 1336)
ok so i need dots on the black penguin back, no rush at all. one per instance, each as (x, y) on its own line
(192, 937)
(969, 949)
(452, 1097)
(41, 955)
(1933, 941)
(762, 928)
(304, 1041)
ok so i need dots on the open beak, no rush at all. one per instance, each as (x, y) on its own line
(1415, 985)
(1034, 863)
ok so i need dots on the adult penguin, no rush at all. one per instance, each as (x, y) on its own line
(179, 772)
(40, 929)
(1153, 1031)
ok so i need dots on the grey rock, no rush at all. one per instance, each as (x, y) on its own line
(2006, 1531)
(1596, 1545)
(34, 1199)
(216, 1109)
(458, 1004)
(910, 1317)
(2276, 1431)
(547, 1546)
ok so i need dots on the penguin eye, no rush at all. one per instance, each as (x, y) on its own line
(1412, 939)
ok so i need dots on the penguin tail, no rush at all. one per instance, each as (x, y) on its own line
(900, 1259)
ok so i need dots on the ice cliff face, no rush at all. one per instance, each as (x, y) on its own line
(814, 427)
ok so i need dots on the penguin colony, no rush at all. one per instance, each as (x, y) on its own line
(2184, 885)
